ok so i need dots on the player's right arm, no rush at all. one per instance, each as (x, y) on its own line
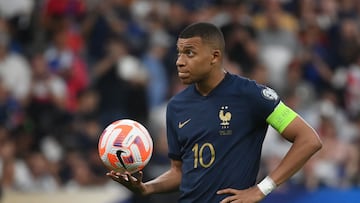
(167, 182)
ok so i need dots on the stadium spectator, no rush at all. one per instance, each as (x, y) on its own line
(278, 43)
(11, 111)
(105, 20)
(240, 37)
(120, 80)
(47, 99)
(14, 67)
(69, 65)
(153, 61)
(336, 165)
(18, 14)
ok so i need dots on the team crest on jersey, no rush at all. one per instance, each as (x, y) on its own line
(269, 94)
(225, 118)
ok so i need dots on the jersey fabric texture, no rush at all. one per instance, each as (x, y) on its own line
(219, 137)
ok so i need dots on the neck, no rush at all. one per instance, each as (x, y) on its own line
(207, 85)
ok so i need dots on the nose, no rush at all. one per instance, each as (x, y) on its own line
(180, 61)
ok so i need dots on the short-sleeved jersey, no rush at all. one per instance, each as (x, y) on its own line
(218, 137)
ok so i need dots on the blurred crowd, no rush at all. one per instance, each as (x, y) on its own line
(68, 68)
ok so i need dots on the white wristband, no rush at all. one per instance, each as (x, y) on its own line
(267, 185)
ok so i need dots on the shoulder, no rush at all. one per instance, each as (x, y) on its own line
(252, 87)
(244, 85)
(243, 82)
(261, 98)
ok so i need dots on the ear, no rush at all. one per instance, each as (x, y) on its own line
(216, 56)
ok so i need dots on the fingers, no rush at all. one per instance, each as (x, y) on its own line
(118, 177)
(228, 199)
(126, 177)
(112, 174)
(114, 177)
(141, 175)
(132, 178)
(130, 181)
(129, 178)
(234, 199)
(227, 191)
(237, 196)
(233, 192)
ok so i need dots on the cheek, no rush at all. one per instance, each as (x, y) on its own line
(202, 66)
(196, 68)
(200, 61)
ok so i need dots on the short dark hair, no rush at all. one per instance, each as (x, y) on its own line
(208, 32)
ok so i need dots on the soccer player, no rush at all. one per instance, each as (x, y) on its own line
(216, 127)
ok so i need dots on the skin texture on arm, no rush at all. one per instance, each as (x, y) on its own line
(167, 182)
(305, 141)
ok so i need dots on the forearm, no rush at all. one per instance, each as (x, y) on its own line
(294, 160)
(305, 144)
(167, 182)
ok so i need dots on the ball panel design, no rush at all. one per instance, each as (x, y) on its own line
(125, 145)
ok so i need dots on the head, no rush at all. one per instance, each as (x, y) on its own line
(200, 52)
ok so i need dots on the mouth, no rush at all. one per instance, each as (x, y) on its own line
(183, 75)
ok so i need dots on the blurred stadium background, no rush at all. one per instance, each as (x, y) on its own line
(70, 67)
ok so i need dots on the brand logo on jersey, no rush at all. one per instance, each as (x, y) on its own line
(225, 117)
(182, 124)
(269, 94)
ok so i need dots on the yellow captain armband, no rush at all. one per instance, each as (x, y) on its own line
(281, 117)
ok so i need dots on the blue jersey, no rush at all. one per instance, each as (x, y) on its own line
(218, 137)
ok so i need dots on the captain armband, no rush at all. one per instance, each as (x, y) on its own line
(281, 117)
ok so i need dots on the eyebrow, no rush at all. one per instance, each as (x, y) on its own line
(186, 47)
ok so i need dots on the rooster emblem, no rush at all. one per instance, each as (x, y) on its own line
(224, 117)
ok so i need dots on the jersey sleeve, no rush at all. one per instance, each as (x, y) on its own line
(173, 142)
(268, 107)
(263, 101)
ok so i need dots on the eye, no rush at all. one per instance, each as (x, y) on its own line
(189, 53)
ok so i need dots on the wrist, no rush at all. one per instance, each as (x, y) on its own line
(267, 185)
(147, 189)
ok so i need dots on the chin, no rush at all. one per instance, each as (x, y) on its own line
(186, 81)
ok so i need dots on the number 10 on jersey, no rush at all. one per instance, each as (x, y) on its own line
(199, 154)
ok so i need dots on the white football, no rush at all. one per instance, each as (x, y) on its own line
(125, 145)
